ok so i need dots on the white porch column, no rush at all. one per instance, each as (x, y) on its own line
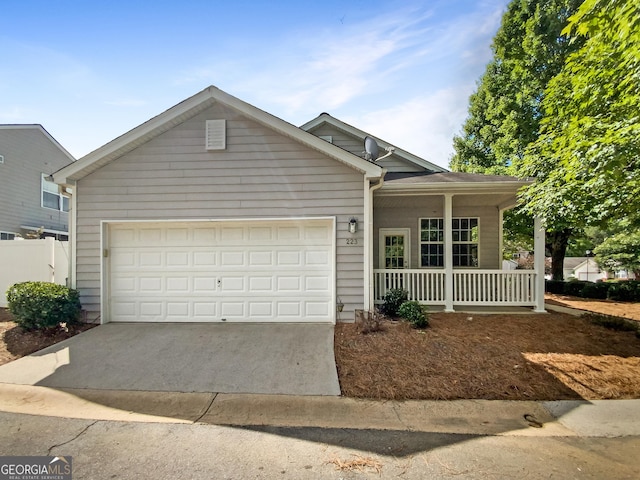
(448, 252)
(539, 263)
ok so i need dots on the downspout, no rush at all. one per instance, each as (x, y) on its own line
(368, 251)
(71, 281)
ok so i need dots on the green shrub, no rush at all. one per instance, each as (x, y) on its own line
(574, 287)
(627, 291)
(37, 305)
(595, 290)
(393, 299)
(554, 286)
(414, 313)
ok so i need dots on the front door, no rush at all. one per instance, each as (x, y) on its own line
(394, 248)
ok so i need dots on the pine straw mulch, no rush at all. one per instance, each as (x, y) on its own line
(16, 342)
(510, 357)
(605, 307)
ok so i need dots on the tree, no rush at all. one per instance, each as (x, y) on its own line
(620, 252)
(505, 111)
(587, 157)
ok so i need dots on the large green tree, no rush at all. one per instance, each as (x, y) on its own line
(587, 158)
(620, 252)
(505, 111)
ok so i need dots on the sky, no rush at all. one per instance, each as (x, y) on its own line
(403, 71)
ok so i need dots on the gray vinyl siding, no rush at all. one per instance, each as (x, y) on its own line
(261, 174)
(388, 215)
(28, 153)
(355, 145)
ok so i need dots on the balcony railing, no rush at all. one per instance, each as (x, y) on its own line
(470, 286)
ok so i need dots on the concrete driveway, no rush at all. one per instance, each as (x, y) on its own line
(292, 359)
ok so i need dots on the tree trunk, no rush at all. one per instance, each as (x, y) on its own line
(557, 244)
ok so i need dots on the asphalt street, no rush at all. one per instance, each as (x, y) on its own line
(105, 449)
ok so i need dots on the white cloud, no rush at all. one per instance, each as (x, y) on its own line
(321, 69)
(424, 125)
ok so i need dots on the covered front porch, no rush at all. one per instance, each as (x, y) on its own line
(439, 237)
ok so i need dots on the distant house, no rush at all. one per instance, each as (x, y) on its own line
(217, 211)
(31, 202)
(582, 268)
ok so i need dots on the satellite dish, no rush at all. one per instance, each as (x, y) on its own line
(371, 150)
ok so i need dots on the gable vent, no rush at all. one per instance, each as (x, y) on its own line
(216, 135)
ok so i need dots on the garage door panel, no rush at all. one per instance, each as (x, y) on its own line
(261, 284)
(260, 310)
(289, 258)
(261, 258)
(219, 271)
(232, 259)
(316, 309)
(204, 310)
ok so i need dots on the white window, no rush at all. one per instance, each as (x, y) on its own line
(464, 236)
(7, 236)
(51, 197)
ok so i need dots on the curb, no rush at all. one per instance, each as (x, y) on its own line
(601, 418)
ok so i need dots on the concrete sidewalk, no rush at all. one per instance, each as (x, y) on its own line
(610, 418)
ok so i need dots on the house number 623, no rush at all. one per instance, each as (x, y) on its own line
(352, 241)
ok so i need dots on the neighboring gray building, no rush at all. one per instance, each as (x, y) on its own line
(30, 201)
(217, 211)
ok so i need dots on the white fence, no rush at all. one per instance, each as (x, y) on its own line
(45, 260)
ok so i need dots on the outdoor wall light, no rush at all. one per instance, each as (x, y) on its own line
(353, 225)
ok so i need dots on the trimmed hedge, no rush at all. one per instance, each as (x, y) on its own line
(38, 305)
(554, 286)
(574, 288)
(624, 291)
(597, 290)
(628, 291)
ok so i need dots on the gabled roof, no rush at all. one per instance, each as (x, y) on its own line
(188, 109)
(575, 263)
(43, 131)
(325, 118)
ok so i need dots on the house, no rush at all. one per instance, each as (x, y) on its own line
(217, 211)
(582, 268)
(31, 202)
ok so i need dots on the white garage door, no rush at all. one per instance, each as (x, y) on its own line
(264, 271)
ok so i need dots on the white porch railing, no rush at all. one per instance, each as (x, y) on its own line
(470, 286)
(425, 286)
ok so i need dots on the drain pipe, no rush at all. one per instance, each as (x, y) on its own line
(368, 252)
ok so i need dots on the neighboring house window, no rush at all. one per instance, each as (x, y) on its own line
(51, 197)
(464, 236)
(7, 236)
